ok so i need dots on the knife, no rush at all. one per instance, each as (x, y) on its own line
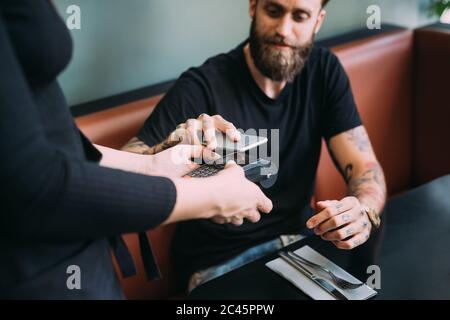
(324, 284)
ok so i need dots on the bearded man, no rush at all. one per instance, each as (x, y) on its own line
(277, 79)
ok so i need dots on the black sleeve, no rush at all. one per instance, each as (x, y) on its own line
(340, 111)
(51, 195)
(187, 99)
(90, 151)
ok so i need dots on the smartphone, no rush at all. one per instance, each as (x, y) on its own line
(247, 142)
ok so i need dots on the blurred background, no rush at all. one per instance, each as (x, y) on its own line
(125, 45)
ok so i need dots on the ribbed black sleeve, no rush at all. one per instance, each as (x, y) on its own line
(48, 194)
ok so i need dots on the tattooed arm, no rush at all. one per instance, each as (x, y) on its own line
(137, 146)
(188, 133)
(344, 222)
(355, 158)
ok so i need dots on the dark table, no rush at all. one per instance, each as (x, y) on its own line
(412, 250)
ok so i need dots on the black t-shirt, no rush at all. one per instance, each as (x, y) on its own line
(318, 104)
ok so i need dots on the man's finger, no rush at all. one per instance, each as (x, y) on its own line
(209, 131)
(193, 127)
(353, 242)
(343, 233)
(330, 211)
(226, 127)
(337, 221)
(178, 134)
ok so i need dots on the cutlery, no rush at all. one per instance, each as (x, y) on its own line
(341, 283)
(324, 284)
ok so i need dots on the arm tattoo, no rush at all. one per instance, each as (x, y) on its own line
(349, 232)
(369, 187)
(359, 138)
(336, 162)
(137, 146)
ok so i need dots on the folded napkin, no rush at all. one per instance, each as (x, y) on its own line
(312, 289)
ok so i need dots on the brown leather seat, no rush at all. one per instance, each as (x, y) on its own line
(398, 80)
(116, 126)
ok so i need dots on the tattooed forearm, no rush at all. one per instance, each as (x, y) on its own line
(353, 155)
(335, 160)
(369, 186)
(137, 146)
(359, 138)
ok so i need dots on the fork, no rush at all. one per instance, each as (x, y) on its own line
(342, 283)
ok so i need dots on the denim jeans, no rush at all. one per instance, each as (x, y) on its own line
(245, 257)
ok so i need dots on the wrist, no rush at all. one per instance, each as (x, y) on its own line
(136, 163)
(374, 217)
(146, 164)
(195, 200)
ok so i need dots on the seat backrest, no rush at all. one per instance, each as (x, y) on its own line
(380, 72)
(116, 126)
(432, 108)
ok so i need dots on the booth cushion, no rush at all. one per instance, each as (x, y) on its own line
(116, 126)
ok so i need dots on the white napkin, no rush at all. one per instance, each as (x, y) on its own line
(312, 289)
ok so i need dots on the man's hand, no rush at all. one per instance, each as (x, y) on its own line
(342, 222)
(188, 133)
(191, 131)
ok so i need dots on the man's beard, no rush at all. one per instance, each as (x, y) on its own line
(278, 64)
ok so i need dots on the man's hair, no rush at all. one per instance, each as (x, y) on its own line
(324, 2)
